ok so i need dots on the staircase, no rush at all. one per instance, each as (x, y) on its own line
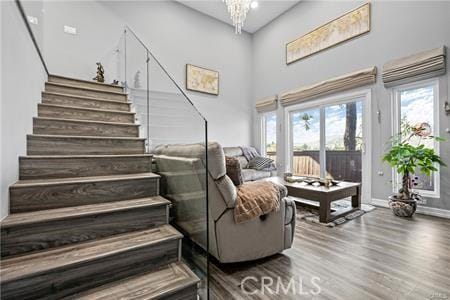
(87, 221)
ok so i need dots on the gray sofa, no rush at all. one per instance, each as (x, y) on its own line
(248, 174)
(183, 176)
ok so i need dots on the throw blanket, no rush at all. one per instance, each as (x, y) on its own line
(255, 199)
(249, 153)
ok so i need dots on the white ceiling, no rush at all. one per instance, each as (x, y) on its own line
(256, 18)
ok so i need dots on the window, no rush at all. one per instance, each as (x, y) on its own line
(417, 104)
(269, 135)
(327, 140)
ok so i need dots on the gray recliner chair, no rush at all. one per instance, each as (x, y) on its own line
(183, 181)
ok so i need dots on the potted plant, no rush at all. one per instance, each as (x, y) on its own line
(408, 154)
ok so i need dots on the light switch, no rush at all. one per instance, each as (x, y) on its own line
(33, 20)
(70, 30)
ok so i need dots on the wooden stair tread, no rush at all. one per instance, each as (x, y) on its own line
(84, 156)
(86, 121)
(73, 180)
(87, 81)
(83, 88)
(152, 285)
(85, 98)
(87, 137)
(37, 263)
(187, 196)
(20, 219)
(87, 109)
(182, 173)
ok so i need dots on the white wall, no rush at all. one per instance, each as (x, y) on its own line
(3, 201)
(22, 78)
(398, 29)
(177, 35)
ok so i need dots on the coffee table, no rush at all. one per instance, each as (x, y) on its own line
(322, 197)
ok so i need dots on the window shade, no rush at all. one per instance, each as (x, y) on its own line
(333, 85)
(266, 104)
(415, 67)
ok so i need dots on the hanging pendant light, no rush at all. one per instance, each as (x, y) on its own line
(238, 10)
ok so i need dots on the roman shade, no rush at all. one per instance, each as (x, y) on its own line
(266, 104)
(415, 67)
(333, 85)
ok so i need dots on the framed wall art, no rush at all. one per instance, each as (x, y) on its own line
(202, 80)
(341, 29)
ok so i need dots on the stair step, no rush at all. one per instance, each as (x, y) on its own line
(70, 269)
(174, 281)
(79, 101)
(32, 195)
(75, 145)
(30, 231)
(188, 206)
(77, 113)
(56, 126)
(85, 83)
(84, 91)
(66, 166)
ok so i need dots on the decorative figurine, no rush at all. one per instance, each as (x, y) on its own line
(100, 73)
(137, 81)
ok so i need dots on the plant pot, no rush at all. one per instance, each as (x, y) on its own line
(402, 207)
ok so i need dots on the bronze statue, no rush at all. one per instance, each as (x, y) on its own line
(100, 73)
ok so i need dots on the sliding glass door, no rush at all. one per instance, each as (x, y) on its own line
(344, 141)
(306, 142)
(327, 137)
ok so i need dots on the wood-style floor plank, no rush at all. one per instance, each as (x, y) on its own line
(377, 256)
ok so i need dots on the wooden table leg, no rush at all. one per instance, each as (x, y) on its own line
(356, 199)
(324, 211)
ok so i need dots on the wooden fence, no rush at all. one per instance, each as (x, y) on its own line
(342, 165)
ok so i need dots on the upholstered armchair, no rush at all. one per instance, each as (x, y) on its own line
(183, 172)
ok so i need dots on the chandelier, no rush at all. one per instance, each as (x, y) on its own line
(238, 10)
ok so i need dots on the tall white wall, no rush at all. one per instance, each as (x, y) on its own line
(22, 80)
(399, 28)
(177, 35)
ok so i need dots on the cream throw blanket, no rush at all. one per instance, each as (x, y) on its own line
(255, 199)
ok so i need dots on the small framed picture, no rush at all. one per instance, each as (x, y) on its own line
(202, 80)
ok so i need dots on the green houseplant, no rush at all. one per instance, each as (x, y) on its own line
(408, 154)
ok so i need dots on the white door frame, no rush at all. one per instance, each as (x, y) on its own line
(366, 97)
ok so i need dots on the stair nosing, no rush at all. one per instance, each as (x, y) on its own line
(19, 219)
(172, 234)
(190, 280)
(87, 81)
(86, 121)
(87, 137)
(85, 156)
(84, 88)
(86, 98)
(87, 108)
(76, 180)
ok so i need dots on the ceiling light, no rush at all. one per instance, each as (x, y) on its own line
(238, 10)
(254, 4)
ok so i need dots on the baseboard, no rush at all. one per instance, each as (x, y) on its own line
(424, 210)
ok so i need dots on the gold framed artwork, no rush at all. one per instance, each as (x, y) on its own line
(202, 80)
(348, 26)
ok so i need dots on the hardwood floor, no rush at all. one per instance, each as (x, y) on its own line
(377, 256)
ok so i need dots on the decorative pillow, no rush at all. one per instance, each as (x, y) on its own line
(234, 170)
(259, 163)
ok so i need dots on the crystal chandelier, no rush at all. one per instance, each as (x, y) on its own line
(238, 10)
